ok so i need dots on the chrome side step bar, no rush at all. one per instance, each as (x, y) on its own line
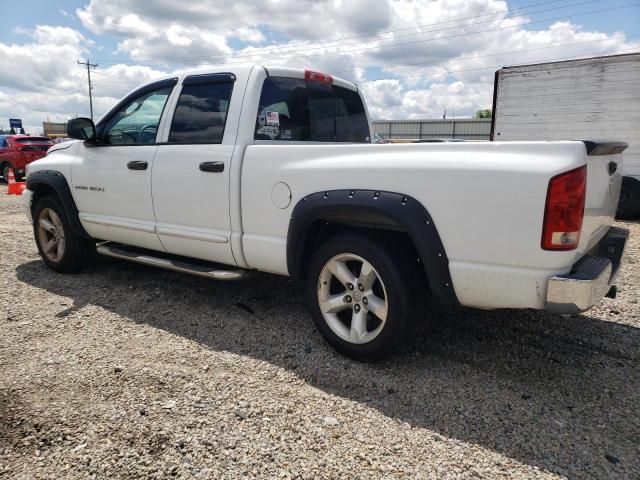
(201, 270)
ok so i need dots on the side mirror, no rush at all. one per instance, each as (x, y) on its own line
(82, 129)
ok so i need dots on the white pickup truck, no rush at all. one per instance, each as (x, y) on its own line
(272, 169)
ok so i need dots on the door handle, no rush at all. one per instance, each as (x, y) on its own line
(215, 167)
(137, 165)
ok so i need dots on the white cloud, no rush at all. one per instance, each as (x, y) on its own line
(365, 16)
(42, 63)
(300, 19)
(172, 42)
(46, 82)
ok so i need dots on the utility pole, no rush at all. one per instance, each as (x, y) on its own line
(89, 67)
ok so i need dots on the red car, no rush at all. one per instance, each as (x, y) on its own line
(16, 151)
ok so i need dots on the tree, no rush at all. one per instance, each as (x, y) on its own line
(487, 113)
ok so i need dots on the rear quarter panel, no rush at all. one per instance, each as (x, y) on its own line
(486, 199)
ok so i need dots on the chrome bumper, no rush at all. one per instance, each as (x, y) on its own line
(591, 278)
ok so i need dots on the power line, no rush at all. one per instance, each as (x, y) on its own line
(473, 57)
(260, 55)
(379, 35)
(484, 68)
(89, 67)
(109, 82)
(315, 47)
(470, 33)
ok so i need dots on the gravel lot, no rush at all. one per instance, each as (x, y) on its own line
(125, 371)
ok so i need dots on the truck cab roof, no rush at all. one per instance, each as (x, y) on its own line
(272, 70)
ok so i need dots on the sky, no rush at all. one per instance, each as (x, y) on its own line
(412, 58)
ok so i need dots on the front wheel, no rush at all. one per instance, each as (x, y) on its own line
(60, 248)
(362, 294)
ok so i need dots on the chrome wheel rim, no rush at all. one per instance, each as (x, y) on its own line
(50, 234)
(352, 298)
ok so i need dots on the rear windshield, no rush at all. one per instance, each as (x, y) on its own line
(33, 140)
(293, 109)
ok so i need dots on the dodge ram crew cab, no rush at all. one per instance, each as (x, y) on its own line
(253, 168)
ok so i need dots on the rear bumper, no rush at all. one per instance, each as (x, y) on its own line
(591, 277)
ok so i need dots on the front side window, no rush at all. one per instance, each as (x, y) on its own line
(201, 113)
(136, 123)
(301, 110)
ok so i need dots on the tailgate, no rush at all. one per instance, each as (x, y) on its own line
(604, 178)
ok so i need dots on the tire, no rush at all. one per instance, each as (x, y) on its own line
(52, 231)
(336, 303)
(629, 204)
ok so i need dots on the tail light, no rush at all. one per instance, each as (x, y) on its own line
(564, 210)
(318, 77)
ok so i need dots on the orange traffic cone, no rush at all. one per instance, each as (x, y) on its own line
(14, 188)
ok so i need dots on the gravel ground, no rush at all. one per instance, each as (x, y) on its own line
(125, 371)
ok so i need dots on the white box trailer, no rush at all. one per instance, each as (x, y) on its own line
(591, 98)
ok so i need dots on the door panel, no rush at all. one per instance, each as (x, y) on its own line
(191, 205)
(114, 201)
(190, 181)
(112, 179)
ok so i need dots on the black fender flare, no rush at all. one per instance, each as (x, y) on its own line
(403, 209)
(58, 183)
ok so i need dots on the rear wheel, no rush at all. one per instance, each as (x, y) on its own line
(60, 248)
(629, 203)
(363, 294)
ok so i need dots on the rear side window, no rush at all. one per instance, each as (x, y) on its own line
(201, 113)
(351, 119)
(293, 109)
